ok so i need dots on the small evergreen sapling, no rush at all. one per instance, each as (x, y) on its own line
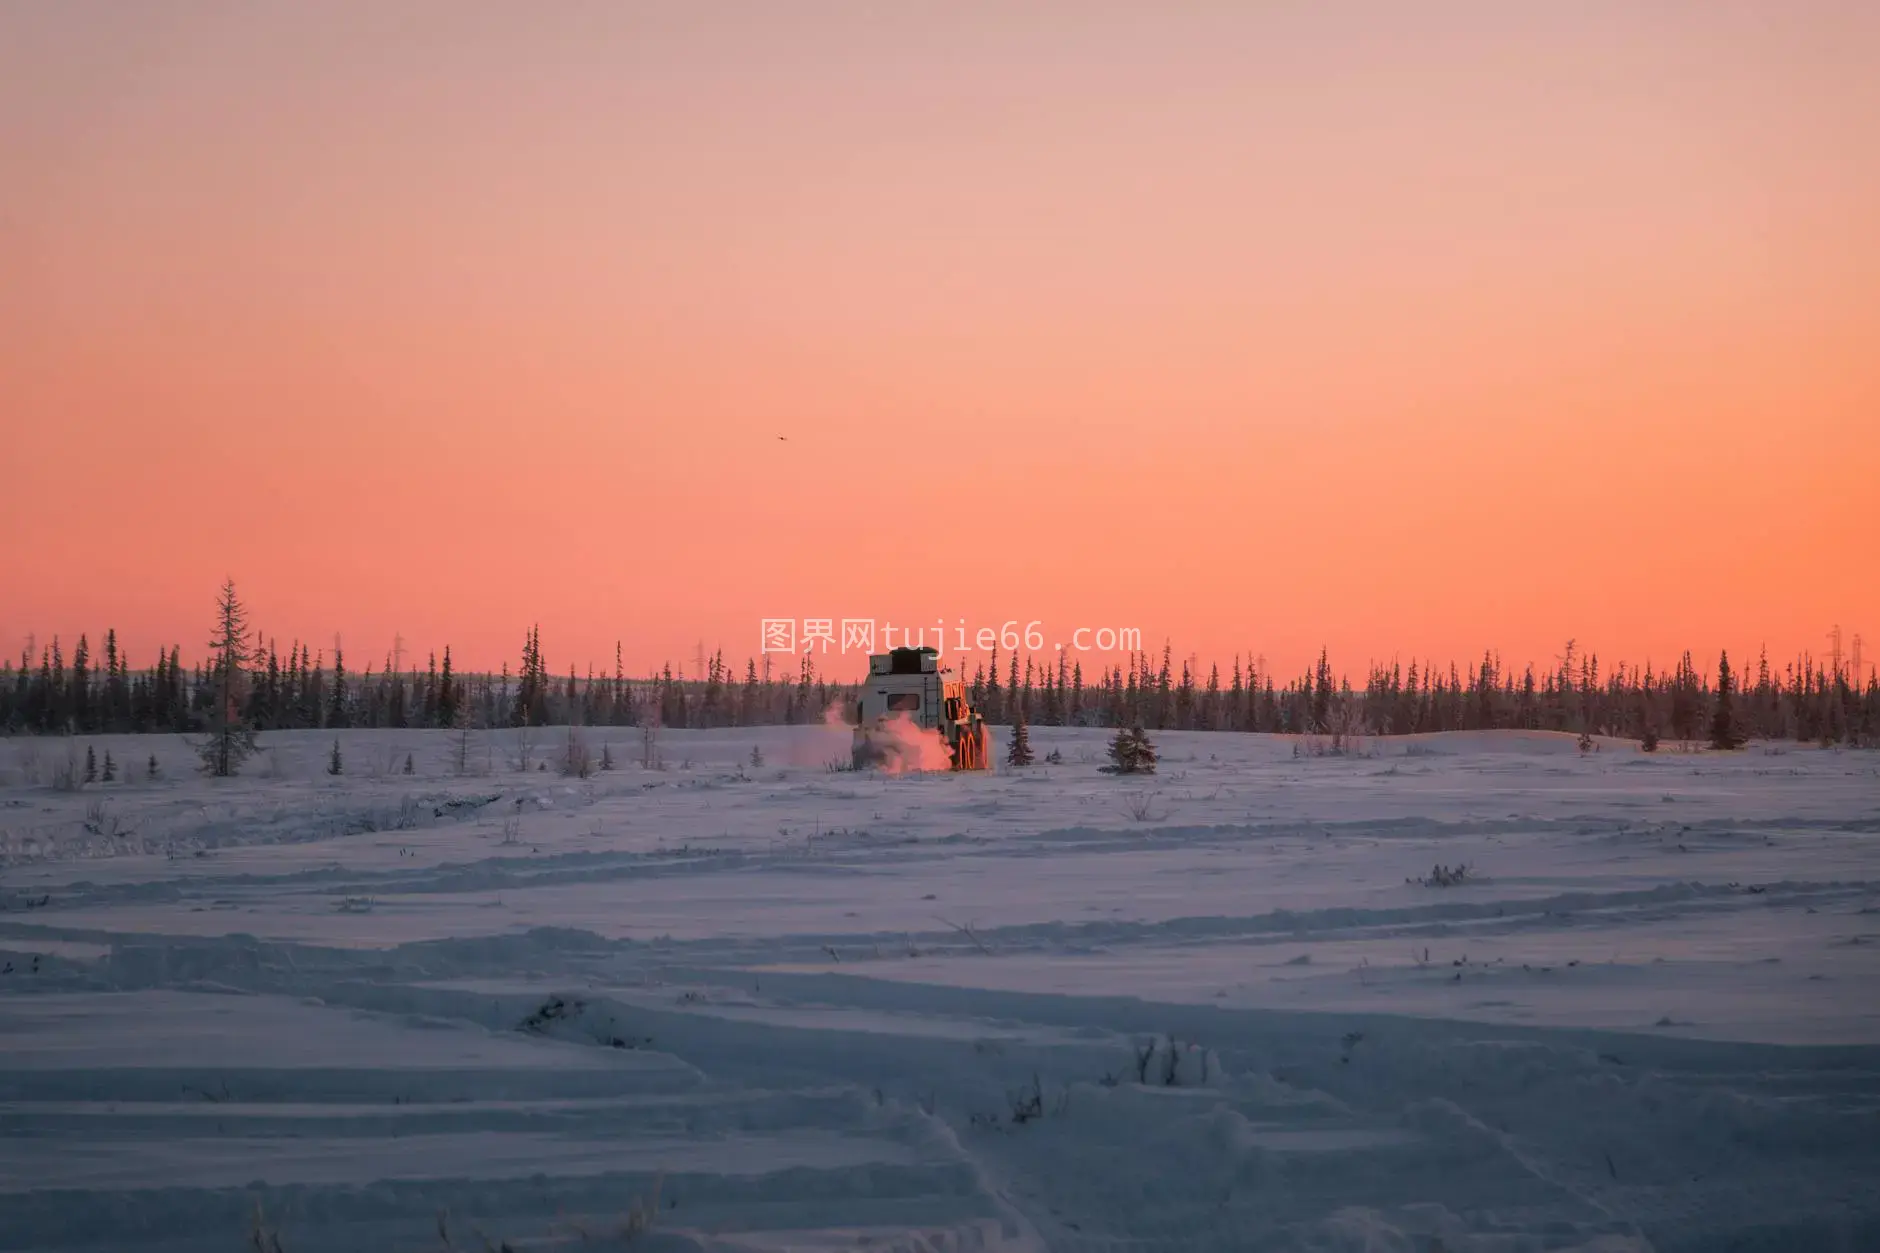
(1145, 751)
(1122, 752)
(1020, 752)
(110, 767)
(91, 764)
(1131, 752)
(333, 763)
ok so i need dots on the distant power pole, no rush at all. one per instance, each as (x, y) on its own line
(1857, 669)
(1834, 649)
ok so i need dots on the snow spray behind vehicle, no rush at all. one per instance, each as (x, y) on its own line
(912, 717)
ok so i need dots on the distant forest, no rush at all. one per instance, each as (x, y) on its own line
(88, 692)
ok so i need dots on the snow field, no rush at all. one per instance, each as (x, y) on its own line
(783, 1007)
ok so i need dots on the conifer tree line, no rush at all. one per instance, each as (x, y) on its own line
(300, 687)
(49, 691)
(1802, 701)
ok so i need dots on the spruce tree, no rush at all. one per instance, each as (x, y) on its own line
(312, 681)
(395, 696)
(1145, 751)
(338, 711)
(80, 690)
(992, 704)
(531, 709)
(231, 739)
(333, 763)
(117, 684)
(1123, 751)
(110, 767)
(447, 695)
(429, 700)
(153, 765)
(91, 764)
(1020, 752)
(58, 716)
(1647, 713)
(1131, 751)
(1724, 733)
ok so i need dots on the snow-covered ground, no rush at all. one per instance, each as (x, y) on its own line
(780, 1007)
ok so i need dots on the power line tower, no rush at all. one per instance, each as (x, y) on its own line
(1834, 651)
(1857, 669)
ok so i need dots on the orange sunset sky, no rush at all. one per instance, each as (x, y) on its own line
(1402, 328)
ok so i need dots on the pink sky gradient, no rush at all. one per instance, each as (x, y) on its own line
(1413, 329)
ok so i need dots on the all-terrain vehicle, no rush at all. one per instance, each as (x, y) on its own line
(908, 684)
